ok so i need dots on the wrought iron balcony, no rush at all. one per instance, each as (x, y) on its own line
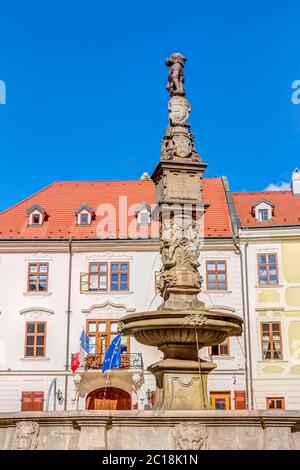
(128, 361)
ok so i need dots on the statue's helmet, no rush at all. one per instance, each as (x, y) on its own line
(175, 58)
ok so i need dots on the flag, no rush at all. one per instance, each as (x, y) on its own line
(84, 346)
(75, 362)
(84, 351)
(113, 355)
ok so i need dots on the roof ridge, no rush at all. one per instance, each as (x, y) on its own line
(241, 193)
(29, 197)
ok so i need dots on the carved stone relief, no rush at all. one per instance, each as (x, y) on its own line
(190, 436)
(27, 435)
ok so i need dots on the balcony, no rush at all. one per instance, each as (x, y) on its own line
(128, 361)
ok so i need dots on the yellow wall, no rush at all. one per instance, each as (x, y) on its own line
(268, 296)
(291, 261)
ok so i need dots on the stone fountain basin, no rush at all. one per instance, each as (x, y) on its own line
(181, 327)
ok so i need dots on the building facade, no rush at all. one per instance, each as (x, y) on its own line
(80, 255)
(269, 238)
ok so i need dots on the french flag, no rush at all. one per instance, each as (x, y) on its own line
(84, 351)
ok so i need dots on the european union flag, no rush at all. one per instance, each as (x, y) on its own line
(113, 355)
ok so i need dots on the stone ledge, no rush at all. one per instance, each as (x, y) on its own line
(130, 430)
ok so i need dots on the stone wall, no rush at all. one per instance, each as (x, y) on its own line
(150, 430)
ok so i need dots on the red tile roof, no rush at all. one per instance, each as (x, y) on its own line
(286, 208)
(61, 199)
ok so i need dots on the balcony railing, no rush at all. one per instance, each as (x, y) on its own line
(128, 361)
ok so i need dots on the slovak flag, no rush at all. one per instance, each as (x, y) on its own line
(112, 356)
(84, 351)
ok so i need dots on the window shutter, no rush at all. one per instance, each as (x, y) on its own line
(38, 401)
(26, 401)
(84, 282)
(240, 400)
(32, 401)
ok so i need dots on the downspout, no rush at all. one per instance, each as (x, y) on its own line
(248, 325)
(246, 336)
(248, 362)
(68, 325)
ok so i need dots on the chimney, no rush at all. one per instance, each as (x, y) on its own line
(145, 177)
(295, 183)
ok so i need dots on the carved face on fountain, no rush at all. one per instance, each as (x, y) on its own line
(190, 437)
(26, 435)
(179, 109)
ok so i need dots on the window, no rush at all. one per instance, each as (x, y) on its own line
(267, 269)
(35, 339)
(36, 215)
(275, 403)
(263, 215)
(239, 400)
(144, 217)
(96, 279)
(32, 401)
(35, 219)
(98, 276)
(119, 276)
(84, 218)
(220, 400)
(271, 341)
(220, 349)
(38, 277)
(216, 275)
(101, 333)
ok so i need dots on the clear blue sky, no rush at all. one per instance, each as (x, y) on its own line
(86, 94)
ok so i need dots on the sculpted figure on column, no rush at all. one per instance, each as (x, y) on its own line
(175, 85)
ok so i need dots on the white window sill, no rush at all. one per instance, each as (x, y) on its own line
(216, 291)
(272, 361)
(107, 292)
(37, 294)
(34, 359)
(269, 286)
(217, 357)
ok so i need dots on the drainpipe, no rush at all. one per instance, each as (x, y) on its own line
(248, 325)
(68, 325)
(245, 295)
(248, 370)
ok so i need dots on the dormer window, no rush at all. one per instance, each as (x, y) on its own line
(263, 215)
(263, 211)
(36, 215)
(84, 214)
(83, 218)
(143, 214)
(36, 219)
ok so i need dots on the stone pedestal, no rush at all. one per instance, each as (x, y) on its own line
(180, 335)
(181, 385)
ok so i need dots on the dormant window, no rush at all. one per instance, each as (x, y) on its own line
(275, 403)
(263, 215)
(35, 339)
(267, 269)
(216, 275)
(36, 219)
(271, 340)
(38, 277)
(101, 333)
(220, 349)
(84, 218)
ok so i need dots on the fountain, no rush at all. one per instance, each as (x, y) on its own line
(182, 325)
